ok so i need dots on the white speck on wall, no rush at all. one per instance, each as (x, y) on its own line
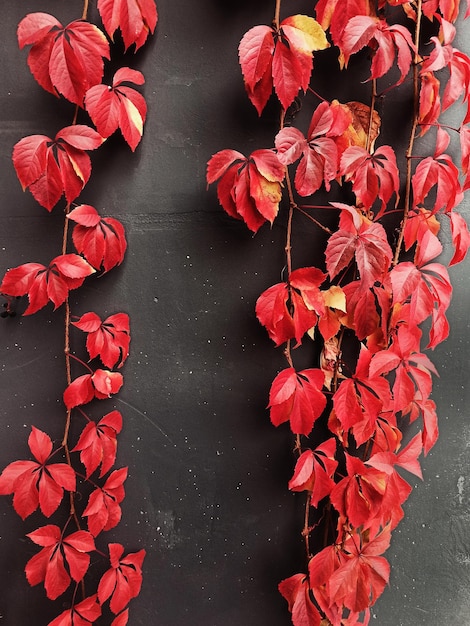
(460, 488)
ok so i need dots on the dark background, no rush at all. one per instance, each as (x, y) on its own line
(207, 489)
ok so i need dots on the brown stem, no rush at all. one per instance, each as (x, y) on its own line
(277, 14)
(371, 115)
(414, 127)
(306, 530)
(85, 9)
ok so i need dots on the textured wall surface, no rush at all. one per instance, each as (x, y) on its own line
(206, 493)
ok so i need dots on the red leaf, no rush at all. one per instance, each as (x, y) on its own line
(103, 510)
(82, 614)
(439, 173)
(101, 384)
(108, 339)
(135, 19)
(51, 168)
(297, 397)
(248, 188)
(123, 580)
(296, 591)
(97, 443)
(314, 471)
(101, 240)
(282, 59)
(460, 237)
(368, 245)
(374, 175)
(37, 483)
(48, 565)
(69, 59)
(118, 106)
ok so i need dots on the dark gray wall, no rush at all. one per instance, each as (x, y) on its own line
(206, 494)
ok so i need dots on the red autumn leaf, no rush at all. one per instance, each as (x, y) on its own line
(359, 400)
(118, 106)
(43, 284)
(97, 443)
(84, 613)
(367, 244)
(363, 575)
(297, 593)
(101, 240)
(318, 152)
(123, 580)
(248, 188)
(60, 560)
(101, 384)
(297, 397)
(108, 339)
(359, 495)
(103, 510)
(406, 458)
(52, 167)
(134, 18)
(419, 221)
(66, 60)
(429, 101)
(336, 15)
(465, 155)
(37, 483)
(314, 471)
(441, 174)
(460, 237)
(281, 322)
(121, 619)
(386, 41)
(412, 369)
(458, 64)
(374, 176)
(281, 59)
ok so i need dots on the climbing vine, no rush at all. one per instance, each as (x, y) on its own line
(77, 474)
(379, 281)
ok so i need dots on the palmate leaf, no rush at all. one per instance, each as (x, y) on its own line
(37, 483)
(66, 60)
(297, 397)
(123, 580)
(296, 591)
(101, 240)
(280, 59)
(97, 443)
(108, 339)
(53, 167)
(118, 106)
(136, 19)
(101, 384)
(314, 471)
(103, 510)
(249, 188)
(61, 559)
(84, 613)
(46, 284)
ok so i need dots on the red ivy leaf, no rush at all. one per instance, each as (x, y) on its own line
(101, 240)
(442, 174)
(97, 443)
(49, 565)
(297, 593)
(297, 397)
(248, 188)
(280, 59)
(84, 613)
(43, 284)
(373, 175)
(118, 106)
(314, 471)
(108, 339)
(460, 237)
(37, 483)
(51, 168)
(367, 244)
(123, 580)
(103, 510)
(69, 59)
(101, 384)
(135, 19)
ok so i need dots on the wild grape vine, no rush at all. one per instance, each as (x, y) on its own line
(366, 304)
(78, 475)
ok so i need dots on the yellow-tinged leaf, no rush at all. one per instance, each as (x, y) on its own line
(309, 35)
(335, 298)
(134, 115)
(270, 190)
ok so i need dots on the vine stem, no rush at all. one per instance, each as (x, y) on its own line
(414, 128)
(277, 13)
